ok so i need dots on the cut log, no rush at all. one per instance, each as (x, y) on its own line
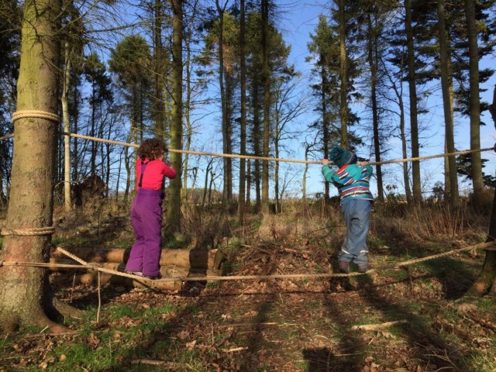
(187, 258)
(85, 276)
(91, 277)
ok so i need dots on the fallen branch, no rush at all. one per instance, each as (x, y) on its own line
(377, 327)
(234, 349)
(161, 363)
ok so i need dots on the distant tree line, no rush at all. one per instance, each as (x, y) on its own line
(153, 79)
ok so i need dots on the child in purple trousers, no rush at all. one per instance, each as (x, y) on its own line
(146, 213)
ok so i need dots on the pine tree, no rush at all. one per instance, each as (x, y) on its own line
(130, 61)
(25, 298)
(324, 47)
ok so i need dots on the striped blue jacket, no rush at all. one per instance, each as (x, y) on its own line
(352, 180)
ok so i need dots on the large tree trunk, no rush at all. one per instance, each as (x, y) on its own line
(242, 134)
(417, 190)
(446, 84)
(266, 104)
(23, 293)
(176, 131)
(476, 166)
(343, 74)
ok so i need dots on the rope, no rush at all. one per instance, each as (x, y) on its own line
(6, 137)
(28, 231)
(190, 152)
(486, 245)
(39, 114)
(284, 160)
(267, 158)
(246, 277)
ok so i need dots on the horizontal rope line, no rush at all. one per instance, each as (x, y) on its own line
(283, 160)
(463, 152)
(6, 137)
(190, 152)
(254, 277)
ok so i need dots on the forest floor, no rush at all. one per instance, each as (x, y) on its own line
(277, 325)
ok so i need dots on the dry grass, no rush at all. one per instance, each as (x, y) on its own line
(430, 222)
(391, 222)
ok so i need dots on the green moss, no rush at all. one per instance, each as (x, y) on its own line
(486, 304)
(118, 311)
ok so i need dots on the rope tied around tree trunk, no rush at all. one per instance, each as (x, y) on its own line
(28, 231)
(37, 114)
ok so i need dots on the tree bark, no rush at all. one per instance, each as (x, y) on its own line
(416, 181)
(325, 123)
(24, 298)
(67, 127)
(176, 131)
(93, 103)
(266, 105)
(446, 84)
(404, 151)
(343, 74)
(159, 61)
(256, 141)
(226, 138)
(277, 135)
(242, 144)
(372, 59)
(187, 104)
(473, 51)
(75, 163)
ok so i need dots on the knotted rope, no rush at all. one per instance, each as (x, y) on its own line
(28, 231)
(38, 114)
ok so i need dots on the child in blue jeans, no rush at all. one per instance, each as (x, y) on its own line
(352, 180)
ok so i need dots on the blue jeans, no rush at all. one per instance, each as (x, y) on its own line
(356, 215)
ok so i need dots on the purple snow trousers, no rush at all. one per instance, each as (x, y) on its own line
(146, 218)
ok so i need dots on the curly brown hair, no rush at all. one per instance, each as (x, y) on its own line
(152, 148)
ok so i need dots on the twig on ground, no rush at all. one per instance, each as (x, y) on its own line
(161, 363)
(376, 327)
(235, 349)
